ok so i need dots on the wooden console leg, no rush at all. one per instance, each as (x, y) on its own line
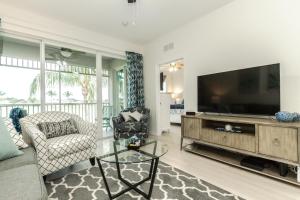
(181, 142)
(298, 174)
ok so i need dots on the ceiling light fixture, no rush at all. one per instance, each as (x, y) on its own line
(132, 13)
(65, 52)
(173, 67)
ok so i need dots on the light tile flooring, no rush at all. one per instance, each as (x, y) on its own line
(245, 184)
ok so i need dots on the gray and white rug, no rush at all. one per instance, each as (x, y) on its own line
(171, 183)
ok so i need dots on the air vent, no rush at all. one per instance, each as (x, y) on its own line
(131, 1)
(168, 47)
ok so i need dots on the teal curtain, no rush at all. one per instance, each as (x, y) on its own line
(135, 80)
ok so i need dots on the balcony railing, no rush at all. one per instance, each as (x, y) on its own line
(88, 111)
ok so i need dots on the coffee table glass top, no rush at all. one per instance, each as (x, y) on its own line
(118, 152)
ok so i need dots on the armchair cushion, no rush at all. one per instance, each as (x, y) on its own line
(126, 116)
(56, 129)
(136, 116)
(68, 144)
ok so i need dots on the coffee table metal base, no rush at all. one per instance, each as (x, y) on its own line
(151, 177)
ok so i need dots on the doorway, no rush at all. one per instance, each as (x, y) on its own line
(171, 82)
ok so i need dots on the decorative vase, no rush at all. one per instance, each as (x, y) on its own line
(287, 117)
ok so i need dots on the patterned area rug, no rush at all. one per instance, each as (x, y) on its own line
(171, 183)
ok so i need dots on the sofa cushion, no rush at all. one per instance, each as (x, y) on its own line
(23, 183)
(56, 129)
(68, 144)
(29, 157)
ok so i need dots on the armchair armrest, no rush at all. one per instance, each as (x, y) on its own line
(84, 127)
(33, 136)
(145, 118)
(117, 120)
(145, 122)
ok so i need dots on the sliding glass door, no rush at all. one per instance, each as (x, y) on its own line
(70, 82)
(39, 76)
(113, 91)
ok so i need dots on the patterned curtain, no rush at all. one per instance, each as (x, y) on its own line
(135, 80)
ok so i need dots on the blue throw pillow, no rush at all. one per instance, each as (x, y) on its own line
(8, 149)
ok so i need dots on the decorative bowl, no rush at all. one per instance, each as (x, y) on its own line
(287, 117)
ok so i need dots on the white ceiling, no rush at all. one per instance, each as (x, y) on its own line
(155, 17)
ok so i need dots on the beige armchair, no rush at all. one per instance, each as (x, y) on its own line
(59, 152)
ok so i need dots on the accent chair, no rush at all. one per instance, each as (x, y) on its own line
(61, 151)
(123, 129)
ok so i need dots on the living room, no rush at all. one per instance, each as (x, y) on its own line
(55, 73)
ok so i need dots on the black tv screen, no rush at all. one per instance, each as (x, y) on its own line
(251, 91)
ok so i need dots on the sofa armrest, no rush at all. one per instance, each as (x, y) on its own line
(33, 136)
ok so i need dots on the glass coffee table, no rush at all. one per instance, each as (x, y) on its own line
(117, 152)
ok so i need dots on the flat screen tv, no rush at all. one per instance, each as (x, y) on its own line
(250, 91)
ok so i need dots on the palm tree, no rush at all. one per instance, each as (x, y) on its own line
(68, 94)
(68, 79)
(51, 93)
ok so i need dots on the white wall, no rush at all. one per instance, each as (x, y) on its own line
(16, 20)
(175, 82)
(244, 33)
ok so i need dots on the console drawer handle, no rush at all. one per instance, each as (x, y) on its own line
(276, 142)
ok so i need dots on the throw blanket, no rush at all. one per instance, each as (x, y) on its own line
(16, 114)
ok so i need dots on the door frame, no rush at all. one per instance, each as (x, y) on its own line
(157, 93)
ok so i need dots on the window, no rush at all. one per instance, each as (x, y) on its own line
(19, 76)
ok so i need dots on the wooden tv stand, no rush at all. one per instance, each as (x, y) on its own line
(264, 138)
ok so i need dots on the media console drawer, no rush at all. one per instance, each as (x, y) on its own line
(278, 142)
(234, 140)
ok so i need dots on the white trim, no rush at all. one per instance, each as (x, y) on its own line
(171, 61)
(20, 37)
(157, 100)
(99, 94)
(70, 46)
